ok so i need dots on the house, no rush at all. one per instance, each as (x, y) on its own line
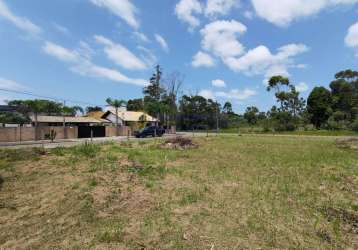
(133, 119)
(86, 127)
(46, 120)
(95, 114)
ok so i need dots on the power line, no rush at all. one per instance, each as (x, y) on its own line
(51, 98)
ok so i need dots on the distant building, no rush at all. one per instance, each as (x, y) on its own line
(133, 119)
(45, 120)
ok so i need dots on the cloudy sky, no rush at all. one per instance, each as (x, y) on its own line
(89, 50)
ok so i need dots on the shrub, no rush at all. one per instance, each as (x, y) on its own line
(87, 149)
(284, 121)
(355, 125)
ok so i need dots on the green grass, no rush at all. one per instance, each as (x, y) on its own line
(247, 192)
(259, 130)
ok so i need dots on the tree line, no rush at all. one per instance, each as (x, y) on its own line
(334, 108)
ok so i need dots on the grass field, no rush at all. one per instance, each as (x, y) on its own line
(312, 132)
(231, 192)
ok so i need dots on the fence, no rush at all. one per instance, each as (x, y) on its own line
(122, 131)
(29, 134)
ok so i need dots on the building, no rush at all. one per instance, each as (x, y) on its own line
(133, 119)
(46, 120)
(86, 126)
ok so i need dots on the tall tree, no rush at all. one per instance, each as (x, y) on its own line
(319, 106)
(173, 83)
(286, 95)
(35, 107)
(93, 109)
(227, 108)
(344, 91)
(116, 103)
(135, 105)
(251, 115)
(153, 94)
(72, 110)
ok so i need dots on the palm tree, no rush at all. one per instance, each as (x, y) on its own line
(116, 103)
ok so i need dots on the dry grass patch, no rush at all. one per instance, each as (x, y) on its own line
(230, 193)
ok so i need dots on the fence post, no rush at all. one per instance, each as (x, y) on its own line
(91, 134)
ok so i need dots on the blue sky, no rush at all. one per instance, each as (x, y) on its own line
(89, 50)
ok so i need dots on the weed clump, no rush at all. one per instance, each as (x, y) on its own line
(14, 155)
(179, 142)
(88, 150)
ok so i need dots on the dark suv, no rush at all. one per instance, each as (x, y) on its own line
(150, 131)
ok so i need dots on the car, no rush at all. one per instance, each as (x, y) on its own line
(150, 131)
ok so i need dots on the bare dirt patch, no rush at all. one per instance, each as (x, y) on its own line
(348, 143)
(179, 143)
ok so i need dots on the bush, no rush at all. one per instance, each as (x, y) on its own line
(284, 121)
(334, 124)
(355, 125)
(87, 149)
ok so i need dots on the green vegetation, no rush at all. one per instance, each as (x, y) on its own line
(248, 192)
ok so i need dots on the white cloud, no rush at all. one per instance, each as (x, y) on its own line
(208, 94)
(185, 11)
(140, 36)
(283, 12)
(220, 7)
(150, 59)
(92, 70)
(202, 59)
(4, 99)
(20, 22)
(10, 84)
(121, 8)
(85, 50)
(120, 54)
(60, 52)
(218, 83)
(162, 42)
(62, 29)
(81, 64)
(302, 87)
(234, 94)
(351, 39)
(249, 14)
(220, 38)
(260, 60)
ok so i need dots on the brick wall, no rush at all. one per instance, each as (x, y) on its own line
(122, 131)
(28, 134)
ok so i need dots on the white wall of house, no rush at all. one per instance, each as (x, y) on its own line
(111, 117)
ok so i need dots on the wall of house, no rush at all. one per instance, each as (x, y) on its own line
(111, 117)
(122, 131)
(28, 134)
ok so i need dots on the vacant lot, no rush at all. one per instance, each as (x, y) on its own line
(228, 193)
